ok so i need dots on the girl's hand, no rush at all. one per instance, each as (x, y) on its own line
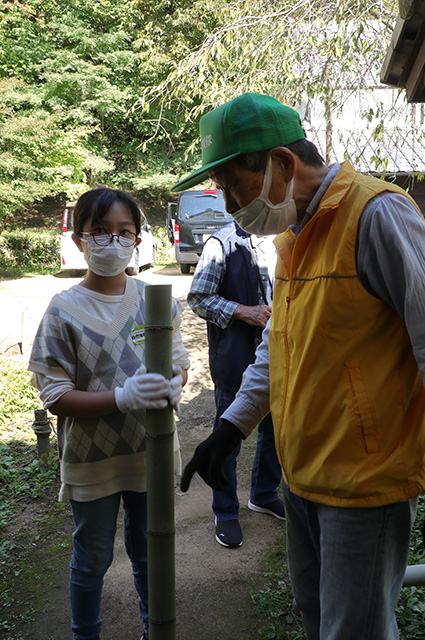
(176, 384)
(143, 391)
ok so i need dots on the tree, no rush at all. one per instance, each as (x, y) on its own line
(316, 56)
(64, 80)
(39, 155)
(76, 70)
(111, 92)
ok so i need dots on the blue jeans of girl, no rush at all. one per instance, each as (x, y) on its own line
(347, 566)
(93, 540)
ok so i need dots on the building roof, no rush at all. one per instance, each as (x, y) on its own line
(404, 64)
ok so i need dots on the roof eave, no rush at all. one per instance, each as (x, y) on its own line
(404, 64)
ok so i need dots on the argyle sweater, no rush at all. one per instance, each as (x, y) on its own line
(97, 356)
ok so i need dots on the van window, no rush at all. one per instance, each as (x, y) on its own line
(192, 205)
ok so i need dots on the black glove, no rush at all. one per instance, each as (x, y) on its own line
(209, 456)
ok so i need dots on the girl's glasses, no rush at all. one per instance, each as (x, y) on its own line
(102, 239)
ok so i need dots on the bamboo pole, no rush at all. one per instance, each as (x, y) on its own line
(160, 471)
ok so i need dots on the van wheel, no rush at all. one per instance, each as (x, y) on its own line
(185, 268)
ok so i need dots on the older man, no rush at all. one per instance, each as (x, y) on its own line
(340, 365)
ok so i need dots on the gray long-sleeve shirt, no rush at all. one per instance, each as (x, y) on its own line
(390, 254)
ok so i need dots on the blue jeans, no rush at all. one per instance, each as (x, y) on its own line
(347, 566)
(266, 472)
(93, 539)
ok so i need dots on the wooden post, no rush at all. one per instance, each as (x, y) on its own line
(42, 428)
(160, 471)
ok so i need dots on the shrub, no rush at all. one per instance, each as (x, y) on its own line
(23, 252)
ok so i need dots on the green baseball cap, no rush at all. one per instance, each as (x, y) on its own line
(250, 122)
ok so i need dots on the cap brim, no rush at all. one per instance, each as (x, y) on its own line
(201, 174)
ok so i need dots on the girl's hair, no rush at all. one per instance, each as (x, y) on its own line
(96, 204)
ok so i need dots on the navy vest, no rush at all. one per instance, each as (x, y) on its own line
(232, 349)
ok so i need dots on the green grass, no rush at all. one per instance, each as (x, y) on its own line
(25, 488)
(274, 599)
(21, 476)
(411, 606)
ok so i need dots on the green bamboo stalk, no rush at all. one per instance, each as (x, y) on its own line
(160, 471)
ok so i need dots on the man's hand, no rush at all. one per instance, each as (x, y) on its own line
(209, 457)
(257, 315)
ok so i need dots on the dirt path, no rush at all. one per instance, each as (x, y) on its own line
(212, 583)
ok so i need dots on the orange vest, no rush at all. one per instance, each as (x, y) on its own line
(347, 399)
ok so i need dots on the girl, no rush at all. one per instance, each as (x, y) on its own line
(88, 365)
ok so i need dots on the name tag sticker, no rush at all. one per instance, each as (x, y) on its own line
(138, 334)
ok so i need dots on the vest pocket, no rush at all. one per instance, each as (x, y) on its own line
(363, 409)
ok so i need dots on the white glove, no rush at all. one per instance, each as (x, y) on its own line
(176, 387)
(143, 391)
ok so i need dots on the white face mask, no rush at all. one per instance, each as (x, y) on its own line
(263, 218)
(107, 261)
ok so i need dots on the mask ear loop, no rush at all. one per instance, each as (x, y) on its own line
(289, 191)
(264, 195)
(267, 181)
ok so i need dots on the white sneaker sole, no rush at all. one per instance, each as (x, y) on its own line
(224, 544)
(228, 546)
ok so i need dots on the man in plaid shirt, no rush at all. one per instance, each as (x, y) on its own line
(231, 290)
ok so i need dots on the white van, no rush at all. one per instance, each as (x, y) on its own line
(73, 260)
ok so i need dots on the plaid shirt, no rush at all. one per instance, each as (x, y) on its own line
(203, 297)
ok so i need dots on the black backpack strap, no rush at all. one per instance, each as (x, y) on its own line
(257, 272)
